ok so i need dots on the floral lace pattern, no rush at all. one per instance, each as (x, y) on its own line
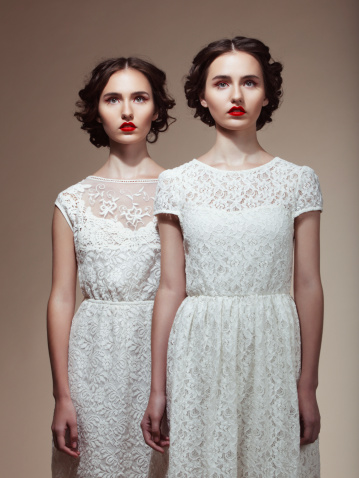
(234, 348)
(118, 255)
(131, 207)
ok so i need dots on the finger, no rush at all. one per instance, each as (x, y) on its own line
(147, 435)
(156, 433)
(307, 434)
(164, 441)
(316, 431)
(150, 442)
(74, 437)
(63, 447)
(155, 446)
(55, 440)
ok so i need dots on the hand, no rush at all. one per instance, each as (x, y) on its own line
(151, 423)
(64, 426)
(309, 416)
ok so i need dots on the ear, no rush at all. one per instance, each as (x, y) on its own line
(99, 120)
(203, 102)
(155, 116)
(265, 102)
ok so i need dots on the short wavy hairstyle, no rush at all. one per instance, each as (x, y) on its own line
(197, 76)
(87, 105)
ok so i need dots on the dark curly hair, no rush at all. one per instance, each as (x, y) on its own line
(87, 106)
(196, 79)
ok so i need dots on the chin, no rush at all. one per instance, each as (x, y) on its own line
(127, 138)
(233, 127)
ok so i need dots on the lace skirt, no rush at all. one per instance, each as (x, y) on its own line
(233, 366)
(109, 374)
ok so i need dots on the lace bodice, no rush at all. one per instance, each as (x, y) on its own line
(115, 236)
(238, 225)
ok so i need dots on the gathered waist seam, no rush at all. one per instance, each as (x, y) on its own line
(120, 302)
(238, 296)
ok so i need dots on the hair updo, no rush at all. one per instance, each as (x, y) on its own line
(197, 76)
(87, 106)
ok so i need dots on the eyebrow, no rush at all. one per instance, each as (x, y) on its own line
(141, 93)
(226, 77)
(135, 93)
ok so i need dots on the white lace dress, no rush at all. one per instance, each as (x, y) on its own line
(234, 348)
(118, 256)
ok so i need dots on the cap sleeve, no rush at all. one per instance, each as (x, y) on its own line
(309, 196)
(67, 204)
(167, 199)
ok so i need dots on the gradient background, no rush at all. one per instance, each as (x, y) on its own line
(47, 49)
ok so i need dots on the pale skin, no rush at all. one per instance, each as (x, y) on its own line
(127, 97)
(236, 79)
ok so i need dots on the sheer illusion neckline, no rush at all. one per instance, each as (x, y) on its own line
(109, 180)
(238, 171)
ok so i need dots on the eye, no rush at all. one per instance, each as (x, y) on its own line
(250, 83)
(112, 101)
(140, 99)
(221, 85)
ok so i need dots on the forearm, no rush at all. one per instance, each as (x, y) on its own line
(166, 304)
(59, 318)
(309, 302)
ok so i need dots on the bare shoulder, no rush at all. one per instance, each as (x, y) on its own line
(206, 158)
(156, 170)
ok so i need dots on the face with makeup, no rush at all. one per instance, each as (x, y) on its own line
(234, 91)
(126, 107)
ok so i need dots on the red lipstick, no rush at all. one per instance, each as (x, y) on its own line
(127, 127)
(237, 111)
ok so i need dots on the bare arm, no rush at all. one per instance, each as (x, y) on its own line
(170, 294)
(60, 312)
(308, 295)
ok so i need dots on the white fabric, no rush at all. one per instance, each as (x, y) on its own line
(118, 255)
(234, 348)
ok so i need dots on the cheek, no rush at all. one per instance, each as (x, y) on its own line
(106, 116)
(147, 116)
(214, 102)
(256, 103)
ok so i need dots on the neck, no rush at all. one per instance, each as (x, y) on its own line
(126, 161)
(237, 148)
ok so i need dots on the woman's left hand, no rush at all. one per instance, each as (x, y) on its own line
(309, 416)
(151, 423)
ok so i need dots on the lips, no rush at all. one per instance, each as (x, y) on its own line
(127, 127)
(237, 111)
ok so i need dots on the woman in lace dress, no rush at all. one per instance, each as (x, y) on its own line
(104, 227)
(242, 358)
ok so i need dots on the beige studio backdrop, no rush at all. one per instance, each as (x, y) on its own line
(47, 49)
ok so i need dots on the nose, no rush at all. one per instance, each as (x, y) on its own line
(127, 113)
(237, 95)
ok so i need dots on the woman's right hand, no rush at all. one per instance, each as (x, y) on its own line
(64, 427)
(151, 423)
